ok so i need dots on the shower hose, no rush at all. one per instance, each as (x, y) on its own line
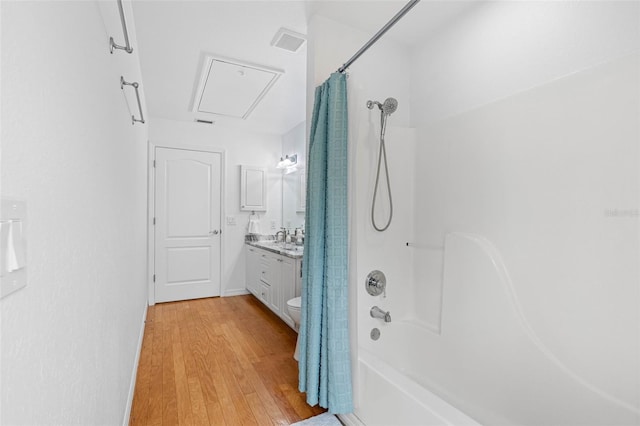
(382, 154)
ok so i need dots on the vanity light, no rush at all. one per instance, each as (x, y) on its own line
(287, 161)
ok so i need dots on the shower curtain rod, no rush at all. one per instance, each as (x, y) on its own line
(379, 34)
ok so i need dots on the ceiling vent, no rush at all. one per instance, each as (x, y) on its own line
(200, 121)
(232, 88)
(288, 40)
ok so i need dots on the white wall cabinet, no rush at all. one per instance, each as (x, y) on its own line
(273, 279)
(253, 188)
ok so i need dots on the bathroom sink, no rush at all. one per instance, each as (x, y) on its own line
(280, 247)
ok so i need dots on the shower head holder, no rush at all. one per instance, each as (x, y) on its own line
(388, 107)
(371, 104)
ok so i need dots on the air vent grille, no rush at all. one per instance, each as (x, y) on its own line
(288, 40)
(204, 121)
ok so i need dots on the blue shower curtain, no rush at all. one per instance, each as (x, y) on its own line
(325, 364)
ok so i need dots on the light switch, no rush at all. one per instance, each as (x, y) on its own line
(231, 220)
(13, 256)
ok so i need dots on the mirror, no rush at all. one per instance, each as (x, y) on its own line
(293, 199)
(293, 183)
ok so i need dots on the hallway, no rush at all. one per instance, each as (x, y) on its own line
(217, 361)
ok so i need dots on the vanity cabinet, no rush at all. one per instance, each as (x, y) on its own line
(253, 271)
(288, 286)
(274, 279)
(271, 282)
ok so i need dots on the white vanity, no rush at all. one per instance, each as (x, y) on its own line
(274, 275)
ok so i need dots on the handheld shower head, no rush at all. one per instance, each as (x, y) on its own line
(389, 106)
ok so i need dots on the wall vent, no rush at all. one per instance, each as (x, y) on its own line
(198, 120)
(288, 40)
(231, 88)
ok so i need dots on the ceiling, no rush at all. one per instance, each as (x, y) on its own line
(175, 37)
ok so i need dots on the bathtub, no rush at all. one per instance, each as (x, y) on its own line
(490, 364)
(388, 397)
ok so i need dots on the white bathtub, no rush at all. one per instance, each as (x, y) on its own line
(389, 398)
(489, 363)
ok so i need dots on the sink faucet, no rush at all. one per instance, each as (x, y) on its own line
(284, 235)
(379, 313)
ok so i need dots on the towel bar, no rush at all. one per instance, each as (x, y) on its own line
(112, 44)
(135, 86)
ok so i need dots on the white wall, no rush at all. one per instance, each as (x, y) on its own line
(371, 77)
(69, 339)
(497, 49)
(527, 120)
(240, 147)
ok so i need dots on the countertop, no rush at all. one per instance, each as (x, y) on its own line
(290, 250)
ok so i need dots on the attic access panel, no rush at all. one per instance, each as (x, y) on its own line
(232, 89)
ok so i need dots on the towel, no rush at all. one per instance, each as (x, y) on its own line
(15, 247)
(324, 419)
(254, 225)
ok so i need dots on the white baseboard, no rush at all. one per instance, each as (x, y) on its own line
(236, 292)
(134, 373)
(350, 420)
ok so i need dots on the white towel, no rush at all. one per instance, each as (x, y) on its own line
(15, 247)
(324, 419)
(254, 225)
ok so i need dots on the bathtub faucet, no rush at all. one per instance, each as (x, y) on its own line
(379, 313)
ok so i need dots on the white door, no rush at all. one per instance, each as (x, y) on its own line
(187, 224)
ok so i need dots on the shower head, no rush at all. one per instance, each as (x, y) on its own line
(388, 107)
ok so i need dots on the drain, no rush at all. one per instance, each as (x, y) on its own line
(375, 334)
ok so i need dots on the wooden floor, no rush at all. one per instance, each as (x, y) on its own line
(219, 361)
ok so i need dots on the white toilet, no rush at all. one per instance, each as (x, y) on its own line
(293, 306)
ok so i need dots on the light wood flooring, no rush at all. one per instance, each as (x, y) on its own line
(217, 361)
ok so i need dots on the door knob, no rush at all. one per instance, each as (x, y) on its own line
(214, 232)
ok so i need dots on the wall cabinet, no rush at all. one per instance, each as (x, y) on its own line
(273, 279)
(253, 188)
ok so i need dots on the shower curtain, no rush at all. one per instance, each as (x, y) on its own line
(325, 364)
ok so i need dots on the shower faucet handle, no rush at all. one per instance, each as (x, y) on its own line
(376, 284)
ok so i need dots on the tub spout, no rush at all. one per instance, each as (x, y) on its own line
(379, 313)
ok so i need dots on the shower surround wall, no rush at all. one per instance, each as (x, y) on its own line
(518, 303)
(529, 142)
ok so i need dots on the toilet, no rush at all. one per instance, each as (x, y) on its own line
(293, 307)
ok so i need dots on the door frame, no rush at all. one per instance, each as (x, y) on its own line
(151, 195)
